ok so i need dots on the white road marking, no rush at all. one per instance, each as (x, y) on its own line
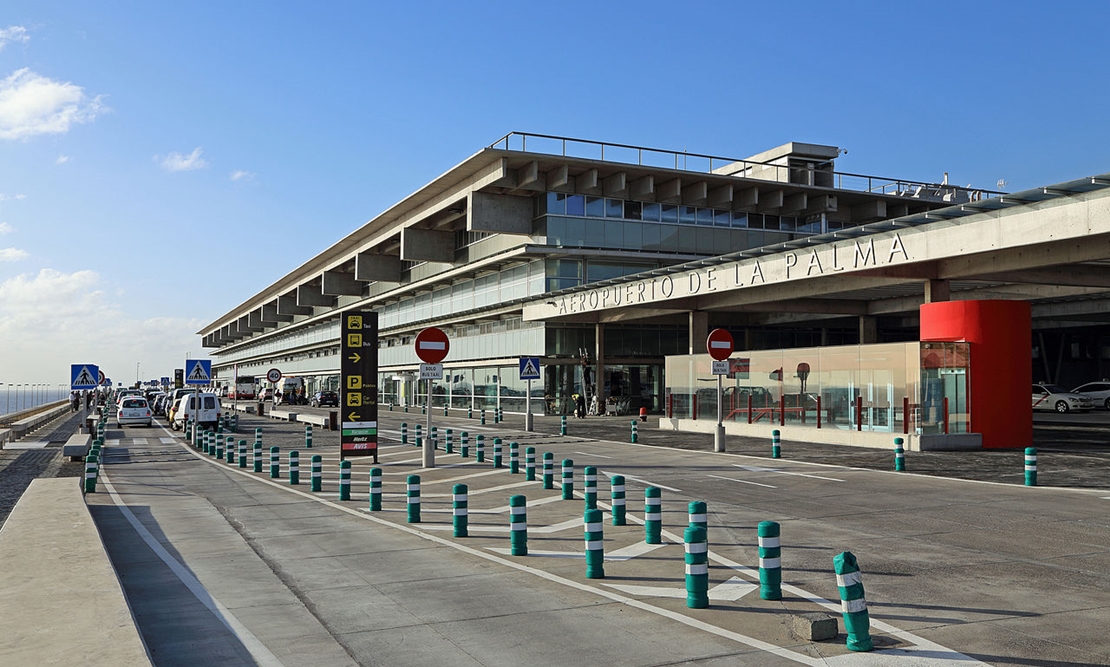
(658, 486)
(743, 481)
(598, 456)
(784, 472)
(729, 591)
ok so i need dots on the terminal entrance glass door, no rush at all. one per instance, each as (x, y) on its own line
(944, 388)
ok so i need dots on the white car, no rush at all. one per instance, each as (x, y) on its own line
(1098, 391)
(208, 415)
(133, 410)
(1055, 397)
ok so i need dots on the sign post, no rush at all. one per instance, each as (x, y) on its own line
(719, 345)
(432, 346)
(529, 370)
(358, 384)
(198, 372)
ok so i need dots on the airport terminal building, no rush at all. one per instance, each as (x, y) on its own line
(860, 305)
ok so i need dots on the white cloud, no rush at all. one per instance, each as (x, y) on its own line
(240, 175)
(15, 33)
(179, 162)
(52, 319)
(4, 197)
(12, 254)
(5, 228)
(62, 159)
(31, 105)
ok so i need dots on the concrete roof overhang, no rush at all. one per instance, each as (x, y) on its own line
(1050, 246)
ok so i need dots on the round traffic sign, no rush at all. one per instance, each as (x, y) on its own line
(719, 344)
(273, 375)
(432, 345)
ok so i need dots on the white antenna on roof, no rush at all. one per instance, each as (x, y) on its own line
(1001, 183)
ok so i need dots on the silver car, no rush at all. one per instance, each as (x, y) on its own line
(1098, 391)
(1055, 397)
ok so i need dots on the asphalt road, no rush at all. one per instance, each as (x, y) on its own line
(230, 567)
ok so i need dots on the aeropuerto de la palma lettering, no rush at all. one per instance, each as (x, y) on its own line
(832, 258)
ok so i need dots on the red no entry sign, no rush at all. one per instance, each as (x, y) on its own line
(432, 345)
(719, 344)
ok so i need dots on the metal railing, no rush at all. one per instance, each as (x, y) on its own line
(548, 144)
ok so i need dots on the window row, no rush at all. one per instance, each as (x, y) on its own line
(585, 206)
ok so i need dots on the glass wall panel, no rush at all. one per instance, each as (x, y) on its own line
(576, 205)
(595, 207)
(669, 213)
(614, 208)
(651, 212)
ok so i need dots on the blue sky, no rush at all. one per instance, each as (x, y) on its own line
(162, 162)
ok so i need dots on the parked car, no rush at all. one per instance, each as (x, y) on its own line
(1055, 397)
(324, 398)
(208, 416)
(266, 394)
(1098, 391)
(133, 410)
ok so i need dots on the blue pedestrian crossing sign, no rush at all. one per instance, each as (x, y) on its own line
(83, 376)
(529, 368)
(198, 371)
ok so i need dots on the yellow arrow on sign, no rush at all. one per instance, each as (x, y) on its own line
(354, 416)
(355, 358)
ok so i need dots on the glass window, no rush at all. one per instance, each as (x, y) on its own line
(650, 212)
(770, 222)
(556, 203)
(614, 234)
(603, 270)
(650, 237)
(722, 218)
(788, 223)
(576, 205)
(556, 231)
(595, 207)
(705, 216)
(688, 214)
(670, 213)
(755, 220)
(564, 268)
(575, 232)
(739, 219)
(594, 235)
(668, 238)
(633, 235)
(632, 210)
(687, 241)
(614, 208)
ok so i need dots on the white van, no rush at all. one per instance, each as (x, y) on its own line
(209, 413)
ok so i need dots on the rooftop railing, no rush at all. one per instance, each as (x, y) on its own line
(547, 144)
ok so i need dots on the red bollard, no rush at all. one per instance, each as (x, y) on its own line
(643, 414)
(859, 413)
(905, 415)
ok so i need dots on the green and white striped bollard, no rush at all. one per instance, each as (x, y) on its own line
(589, 487)
(258, 456)
(464, 444)
(444, 409)
(563, 425)
(433, 435)
(258, 433)
(595, 544)
(697, 515)
(404, 433)
(616, 489)
(653, 515)
(316, 475)
(776, 446)
(482, 417)
(419, 440)
(530, 464)
(92, 463)
(514, 458)
(294, 467)
(697, 567)
(518, 526)
(470, 412)
(480, 448)
(459, 503)
(308, 436)
(448, 441)
(344, 480)
(770, 560)
(568, 479)
(204, 444)
(230, 449)
(375, 489)
(219, 452)
(275, 462)
(412, 495)
(497, 452)
(548, 470)
(1030, 466)
(635, 433)
(497, 415)
(849, 582)
(243, 454)
(899, 455)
